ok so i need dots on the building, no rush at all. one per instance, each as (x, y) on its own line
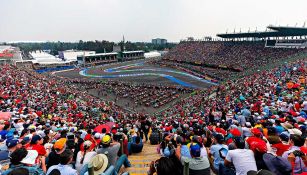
(71, 55)
(97, 59)
(132, 55)
(159, 41)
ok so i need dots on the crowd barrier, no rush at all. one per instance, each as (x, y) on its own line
(52, 69)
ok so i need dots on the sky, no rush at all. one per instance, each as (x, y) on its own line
(141, 20)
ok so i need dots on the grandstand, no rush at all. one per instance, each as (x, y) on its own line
(280, 37)
(252, 114)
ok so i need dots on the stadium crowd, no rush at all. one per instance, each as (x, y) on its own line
(233, 56)
(251, 125)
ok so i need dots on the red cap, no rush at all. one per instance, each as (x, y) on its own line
(256, 131)
(235, 132)
(87, 137)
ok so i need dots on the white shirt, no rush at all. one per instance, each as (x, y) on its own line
(87, 158)
(243, 160)
(64, 169)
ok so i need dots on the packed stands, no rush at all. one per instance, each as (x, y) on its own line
(256, 123)
(231, 56)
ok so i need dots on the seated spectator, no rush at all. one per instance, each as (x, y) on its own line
(54, 156)
(111, 149)
(36, 144)
(164, 165)
(197, 165)
(99, 166)
(136, 145)
(185, 152)
(295, 156)
(216, 150)
(66, 158)
(283, 145)
(21, 158)
(85, 156)
(242, 159)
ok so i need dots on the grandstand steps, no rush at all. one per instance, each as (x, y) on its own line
(141, 161)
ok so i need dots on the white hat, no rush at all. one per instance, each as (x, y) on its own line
(99, 163)
(295, 131)
(30, 158)
(97, 135)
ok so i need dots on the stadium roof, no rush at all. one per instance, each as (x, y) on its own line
(277, 32)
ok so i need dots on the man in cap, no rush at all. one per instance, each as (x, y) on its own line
(111, 149)
(54, 156)
(12, 145)
(197, 165)
(36, 144)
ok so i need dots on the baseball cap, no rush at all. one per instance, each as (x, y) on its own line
(195, 150)
(35, 139)
(60, 144)
(106, 139)
(11, 143)
(256, 131)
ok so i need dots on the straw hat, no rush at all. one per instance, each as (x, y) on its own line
(287, 125)
(99, 163)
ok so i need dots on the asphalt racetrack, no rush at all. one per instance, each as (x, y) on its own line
(139, 71)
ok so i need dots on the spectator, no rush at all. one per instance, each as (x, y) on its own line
(197, 165)
(217, 150)
(85, 156)
(111, 149)
(294, 154)
(243, 159)
(21, 158)
(66, 158)
(54, 156)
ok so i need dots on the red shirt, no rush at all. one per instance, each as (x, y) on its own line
(281, 148)
(39, 148)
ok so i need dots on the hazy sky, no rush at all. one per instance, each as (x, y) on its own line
(140, 20)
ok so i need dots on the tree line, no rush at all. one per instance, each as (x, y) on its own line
(98, 46)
